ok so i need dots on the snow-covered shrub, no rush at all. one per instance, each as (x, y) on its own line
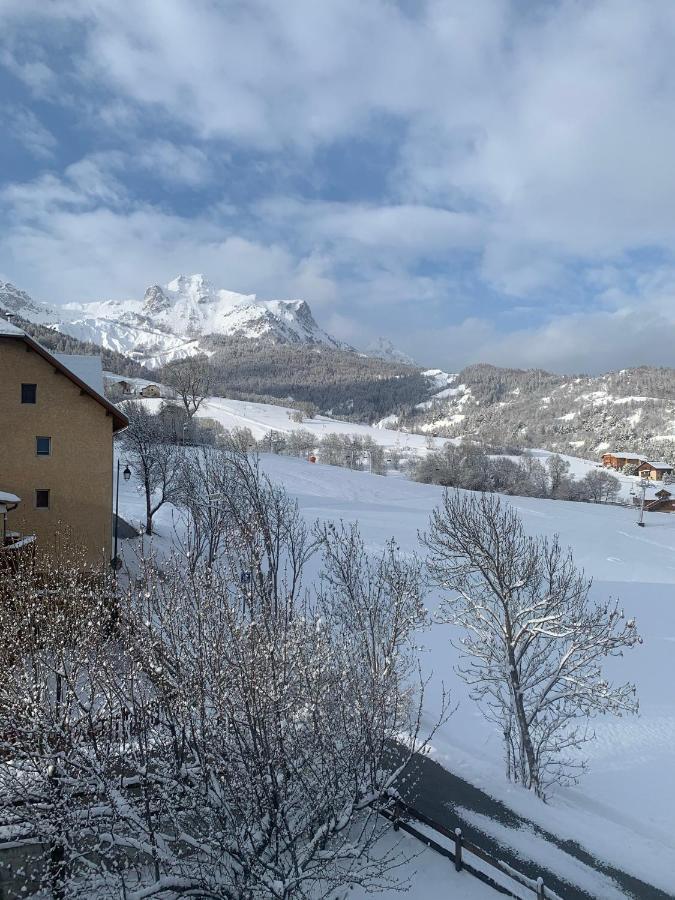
(228, 731)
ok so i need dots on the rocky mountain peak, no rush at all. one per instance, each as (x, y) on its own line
(155, 300)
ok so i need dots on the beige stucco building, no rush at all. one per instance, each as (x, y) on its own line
(56, 445)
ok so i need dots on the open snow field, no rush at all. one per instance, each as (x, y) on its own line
(623, 811)
(262, 418)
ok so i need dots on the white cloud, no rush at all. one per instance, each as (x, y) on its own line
(173, 163)
(641, 329)
(552, 125)
(27, 129)
(34, 73)
(80, 237)
(535, 140)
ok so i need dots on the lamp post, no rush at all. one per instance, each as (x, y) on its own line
(116, 562)
(641, 520)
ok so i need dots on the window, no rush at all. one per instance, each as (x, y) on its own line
(29, 393)
(43, 446)
(42, 499)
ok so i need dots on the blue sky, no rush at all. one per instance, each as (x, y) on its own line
(486, 181)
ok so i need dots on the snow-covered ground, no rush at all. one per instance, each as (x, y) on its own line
(624, 809)
(262, 418)
(430, 876)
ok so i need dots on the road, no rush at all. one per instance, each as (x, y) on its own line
(444, 797)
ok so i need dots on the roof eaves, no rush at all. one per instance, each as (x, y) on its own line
(120, 421)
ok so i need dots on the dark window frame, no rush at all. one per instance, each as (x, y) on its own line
(28, 390)
(43, 437)
(43, 491)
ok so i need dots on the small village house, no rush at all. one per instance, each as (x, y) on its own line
(654, 470)
(659, 501)
(57, 444)
(645, 468)
(618, 459)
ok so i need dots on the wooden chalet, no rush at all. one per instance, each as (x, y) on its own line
(661, 501)
(654, 470)
(618, 459)
(645, 468)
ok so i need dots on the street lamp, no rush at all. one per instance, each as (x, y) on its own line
(116, 562)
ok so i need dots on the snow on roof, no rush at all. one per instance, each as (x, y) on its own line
(659, 465)
(128, 379)
(6, 497)
(86, 368)
(622, 454)
(7, 328)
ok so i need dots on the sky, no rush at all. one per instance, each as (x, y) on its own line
(484, 181)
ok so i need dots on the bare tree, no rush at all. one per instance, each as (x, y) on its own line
(155, 460)
(192, 380)
(278, 712)
(381, 599)
(203, 497)
(198, 745)
(533, 639)
(558, 469)
(56, 622)
(598, 486)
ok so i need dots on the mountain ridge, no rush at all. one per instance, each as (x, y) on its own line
(171, 321)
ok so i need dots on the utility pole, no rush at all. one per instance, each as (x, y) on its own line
(641, 520)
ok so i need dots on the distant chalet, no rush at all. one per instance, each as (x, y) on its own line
(645, 468)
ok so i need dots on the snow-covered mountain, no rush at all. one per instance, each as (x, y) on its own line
(382, 348)
(172, 321)
(15, 302)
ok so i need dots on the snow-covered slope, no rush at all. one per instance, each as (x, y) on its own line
(262, 418)
(171, 321)
(15, 302)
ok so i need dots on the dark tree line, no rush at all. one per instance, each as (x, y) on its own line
(470, 467)
(340, 382)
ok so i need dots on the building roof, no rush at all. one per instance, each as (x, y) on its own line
(6, 328)
(623, 454)
(657, 465)
(120, 421)
(88, 368)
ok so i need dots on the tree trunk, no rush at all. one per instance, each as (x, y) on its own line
(525, 739)
(523, 728)
(148, 509)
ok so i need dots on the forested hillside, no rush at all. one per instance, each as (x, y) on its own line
(339, 382)
(632, 409)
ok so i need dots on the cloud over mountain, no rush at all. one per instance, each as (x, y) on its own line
(477, 169)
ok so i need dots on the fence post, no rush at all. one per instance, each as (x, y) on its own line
(541, 890)
(396, 815)
(458, 849)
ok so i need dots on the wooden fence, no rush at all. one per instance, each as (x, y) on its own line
(401, 814)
